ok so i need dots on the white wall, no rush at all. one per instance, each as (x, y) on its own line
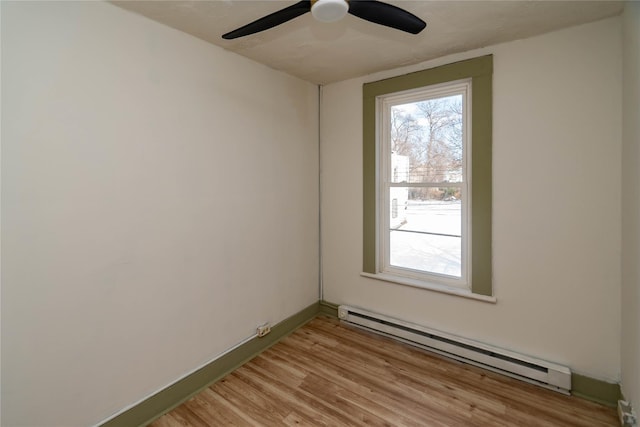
(631, 205)
(159, 201)
(556, 222)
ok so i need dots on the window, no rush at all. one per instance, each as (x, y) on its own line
(427, 178)
(422, 147)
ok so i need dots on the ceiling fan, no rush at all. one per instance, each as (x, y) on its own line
(334, 10)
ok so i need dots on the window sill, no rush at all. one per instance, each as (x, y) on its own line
(430, 286)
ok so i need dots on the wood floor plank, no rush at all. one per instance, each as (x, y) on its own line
(177, 416)
(256, 395)
(327, 373)
(318, 404)
(294, 419)
(386, 401)
(168, 420)
(239, 399)
(480, 381)
(225, 410)
(358, 370)
(187, 417)
(322, 386)
(207, 405)
(288, 396)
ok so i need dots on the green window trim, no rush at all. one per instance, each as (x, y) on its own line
(480, 70)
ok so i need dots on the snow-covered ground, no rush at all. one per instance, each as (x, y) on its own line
(438, 254)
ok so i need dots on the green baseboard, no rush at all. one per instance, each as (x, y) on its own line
(177, 393)
(595, 390)
(328, 308)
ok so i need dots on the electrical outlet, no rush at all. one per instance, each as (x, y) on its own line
(264, 329)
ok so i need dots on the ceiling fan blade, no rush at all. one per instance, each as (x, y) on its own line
(272, 20)
(387, 15)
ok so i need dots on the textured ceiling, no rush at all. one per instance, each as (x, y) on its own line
(324, 53)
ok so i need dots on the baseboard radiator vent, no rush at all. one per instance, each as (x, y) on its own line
(539, 372)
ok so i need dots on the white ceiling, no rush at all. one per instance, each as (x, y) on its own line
(324, 53)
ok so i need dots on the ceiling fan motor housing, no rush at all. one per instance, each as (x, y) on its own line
(329, 10)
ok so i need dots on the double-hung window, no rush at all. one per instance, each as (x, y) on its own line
(427, 178)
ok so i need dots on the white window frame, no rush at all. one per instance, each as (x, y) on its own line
(384, 103)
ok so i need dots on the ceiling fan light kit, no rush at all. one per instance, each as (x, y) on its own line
(333, 10)
(329, 10)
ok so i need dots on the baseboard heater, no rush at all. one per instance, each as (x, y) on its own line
(539, 372)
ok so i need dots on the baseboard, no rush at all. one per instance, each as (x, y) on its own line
(328, 309)
(595, 390)
(183, 389)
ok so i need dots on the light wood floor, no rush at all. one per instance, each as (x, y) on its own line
(329, 374)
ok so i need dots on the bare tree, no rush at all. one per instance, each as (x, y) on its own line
(443, 129)
(405, 132)
(430, 134)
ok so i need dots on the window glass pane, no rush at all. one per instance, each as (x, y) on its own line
(423, 252)
(427, 140)
(427, 232)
